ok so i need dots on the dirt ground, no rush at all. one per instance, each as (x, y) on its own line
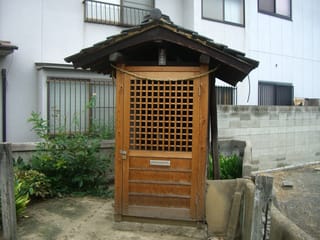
(82, 218)
(79, 218)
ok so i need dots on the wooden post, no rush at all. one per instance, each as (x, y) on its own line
(214, 129)
(261, 207)
(8, 206)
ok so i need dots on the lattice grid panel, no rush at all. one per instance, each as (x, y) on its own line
(161, 115)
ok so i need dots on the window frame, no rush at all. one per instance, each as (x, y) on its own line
(86, 98)
(47, 71)
(223, 14)
(275, 86)
(274, 14)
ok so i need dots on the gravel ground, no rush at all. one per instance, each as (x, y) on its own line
(300, 203)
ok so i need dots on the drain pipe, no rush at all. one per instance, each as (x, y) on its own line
(4, 104)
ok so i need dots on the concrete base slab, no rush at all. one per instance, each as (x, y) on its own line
(175, 230)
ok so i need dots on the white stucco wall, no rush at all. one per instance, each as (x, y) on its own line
(288, 51)
(174, 9)
(46, 31)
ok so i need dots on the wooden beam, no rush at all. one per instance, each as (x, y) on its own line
(8, 204)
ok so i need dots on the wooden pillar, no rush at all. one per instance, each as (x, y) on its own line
(8, 204)
(214, 129)
(118, 206)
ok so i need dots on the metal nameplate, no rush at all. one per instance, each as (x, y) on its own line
(160, 163)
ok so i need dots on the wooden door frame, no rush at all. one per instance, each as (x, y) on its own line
(199, 149)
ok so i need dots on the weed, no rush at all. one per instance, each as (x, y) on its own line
(230, 167)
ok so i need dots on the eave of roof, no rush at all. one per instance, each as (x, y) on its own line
(6, 48)
(234, 65)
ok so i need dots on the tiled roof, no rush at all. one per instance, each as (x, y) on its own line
(234, 66)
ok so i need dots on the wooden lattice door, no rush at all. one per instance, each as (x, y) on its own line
(161, 143)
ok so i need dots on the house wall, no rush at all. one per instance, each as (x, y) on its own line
(188, 14)
(287, 50)
(46, 31)
(275, 136)
(172, 9)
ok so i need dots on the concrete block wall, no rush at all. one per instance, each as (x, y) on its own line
(25, 150)
(275, 136)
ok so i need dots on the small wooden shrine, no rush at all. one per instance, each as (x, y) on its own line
(165, 78)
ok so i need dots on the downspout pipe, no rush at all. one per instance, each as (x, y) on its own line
(4, 104)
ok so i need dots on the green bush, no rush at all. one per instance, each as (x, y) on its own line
(230, 167)
(102, 131)
(34, 183)
(72, 163)
(210, 168)
(22, 198)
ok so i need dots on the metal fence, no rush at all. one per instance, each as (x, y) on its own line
(226, 95)
(81, 105)
(113, 14)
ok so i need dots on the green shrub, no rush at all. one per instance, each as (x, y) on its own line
(22, 198)
(102, 131)
(230, 167)
(210, 168)
(34, 183)
(71, 162)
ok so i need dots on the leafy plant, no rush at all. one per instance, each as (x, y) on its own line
(230, 167)
(71, 162)
(21, 197)
(210, 168)
(34, 183)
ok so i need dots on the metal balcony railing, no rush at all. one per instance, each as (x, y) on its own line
(112, 14)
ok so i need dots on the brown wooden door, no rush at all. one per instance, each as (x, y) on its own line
(163, 143)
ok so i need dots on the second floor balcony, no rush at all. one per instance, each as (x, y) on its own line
(113, 14)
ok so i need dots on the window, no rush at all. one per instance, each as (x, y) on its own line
(80, 105)
(228, 11)
(226, 95)
(279, 8)
(270, 93)
(128, 13)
